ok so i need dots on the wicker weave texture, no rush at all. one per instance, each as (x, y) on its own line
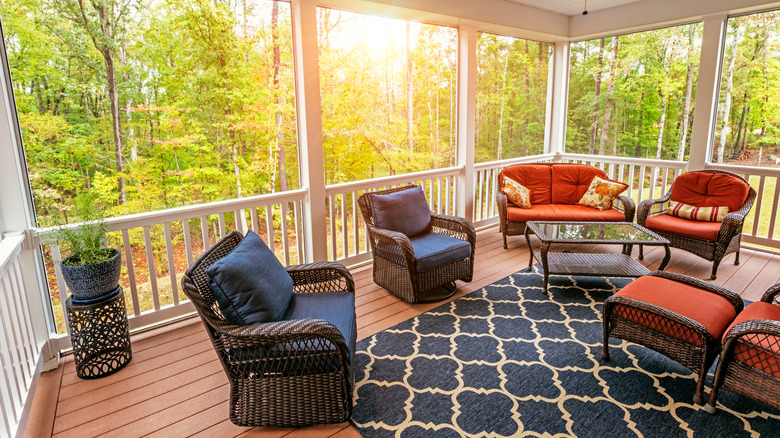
(395, 268)
(729, 236)
(286, 373)
(749, 363)
(100, 336)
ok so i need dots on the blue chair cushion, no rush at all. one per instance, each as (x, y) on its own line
(338, 308)
(433, 250)
(250, 284)
(405, 211)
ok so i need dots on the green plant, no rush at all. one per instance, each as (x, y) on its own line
(84, 241)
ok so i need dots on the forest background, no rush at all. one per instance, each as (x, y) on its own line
(157, 104)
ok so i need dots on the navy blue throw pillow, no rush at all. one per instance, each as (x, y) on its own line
(405, 211)
(250, 284)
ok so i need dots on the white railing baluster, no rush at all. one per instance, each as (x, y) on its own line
(773, 217)
(7, 347)
(269, 226)
(631, 182)
(221, 218)
(620, 173)
(61, 288)
(152, 268)
(355, 223)
(131, 272)
(344, 237)
(204, 232)
(332, 213)
(285, 235)
(298, 226)
(171, 263)
(253, 218)
(19, 324)
(185, 228)
(757, 204)
(16, 282)
(447, 208)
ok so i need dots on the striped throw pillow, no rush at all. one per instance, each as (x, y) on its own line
(517, 193)
(705, 214)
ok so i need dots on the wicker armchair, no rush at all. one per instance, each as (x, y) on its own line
(287, 373)
(749, 363)
(728, 237)
(395, 264)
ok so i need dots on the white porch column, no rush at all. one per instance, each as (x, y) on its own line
(557, 100)
(467, 115)
(705, 113)
(311, 161)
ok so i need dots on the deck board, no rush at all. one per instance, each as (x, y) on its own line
(175, 385)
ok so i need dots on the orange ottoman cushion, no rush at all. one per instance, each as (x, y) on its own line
(760, 351)
(713, 311)
(536, 178)
(684, 227)
(710, 190)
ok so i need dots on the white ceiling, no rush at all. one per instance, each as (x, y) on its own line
(572, 7)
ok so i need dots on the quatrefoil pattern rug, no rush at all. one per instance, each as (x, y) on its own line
(508, 360)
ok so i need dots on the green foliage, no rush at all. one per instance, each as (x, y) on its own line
(84, 242)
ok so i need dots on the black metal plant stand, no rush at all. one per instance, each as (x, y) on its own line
(100, 335)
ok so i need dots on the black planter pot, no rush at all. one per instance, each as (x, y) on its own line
(91, 281)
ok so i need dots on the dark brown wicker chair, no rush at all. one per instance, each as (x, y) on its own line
(749, 363)
(729, 237)
(395, 266)
(287, 373)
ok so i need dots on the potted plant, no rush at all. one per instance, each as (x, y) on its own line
(91, 271)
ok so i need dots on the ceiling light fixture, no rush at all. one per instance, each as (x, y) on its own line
(585, 11)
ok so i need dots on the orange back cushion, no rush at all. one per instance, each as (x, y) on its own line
(703, 189)
(571, 181)
(534, 177)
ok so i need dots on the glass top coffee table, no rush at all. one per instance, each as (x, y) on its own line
(626, 234)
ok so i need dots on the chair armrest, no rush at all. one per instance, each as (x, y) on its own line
(645, 208)
(501, 203)
(454, 226)
(392, 245)
(627, 206)
(321, 277)
(772, 295)
(730, 295)
(755, 329)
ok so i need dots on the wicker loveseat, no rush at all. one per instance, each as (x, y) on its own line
(555, 189)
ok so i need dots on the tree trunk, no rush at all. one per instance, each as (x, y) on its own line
(662, 122)
(688, 95)
(279, 146)
(610, 91)
(594, 123)
(727, 104)
(499, 149)
(409, 97)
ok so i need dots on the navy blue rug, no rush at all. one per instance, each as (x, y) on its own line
(508, 360)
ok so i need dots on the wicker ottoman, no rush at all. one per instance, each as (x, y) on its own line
(680, 317)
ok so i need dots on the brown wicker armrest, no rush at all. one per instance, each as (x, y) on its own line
(730, 295)
(392, 245)
(754, 326)
(454, 226)
(772, 295)
(645, 208)
(627, 206)
(321, 277)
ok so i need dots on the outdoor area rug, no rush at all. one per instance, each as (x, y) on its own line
(508, 360)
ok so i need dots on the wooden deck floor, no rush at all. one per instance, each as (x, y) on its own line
(175, 386)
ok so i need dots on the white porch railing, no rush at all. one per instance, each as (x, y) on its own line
(157, 247)
(18, 349)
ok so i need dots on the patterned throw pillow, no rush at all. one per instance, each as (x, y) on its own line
(517, 193)
(601, 193)
(705, 214)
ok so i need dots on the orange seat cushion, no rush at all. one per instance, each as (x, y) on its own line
(703, 189)
(553, 212)
(713, 311)
(760, 351)
(571, 181)
(534, 177)
(684, 227)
